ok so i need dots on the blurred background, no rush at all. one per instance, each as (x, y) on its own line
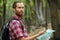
(38, 14)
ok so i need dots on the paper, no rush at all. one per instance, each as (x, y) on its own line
(46, 35)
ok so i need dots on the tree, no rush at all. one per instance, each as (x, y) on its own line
(38, 9)
(1, 10)
(4, 11)
(55, 18)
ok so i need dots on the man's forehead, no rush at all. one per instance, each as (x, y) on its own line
(20, 4)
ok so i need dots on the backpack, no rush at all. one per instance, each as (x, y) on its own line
(5, 30)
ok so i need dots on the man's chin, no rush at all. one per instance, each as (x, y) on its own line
(20, 15)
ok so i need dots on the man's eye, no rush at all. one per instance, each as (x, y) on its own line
(20, 7)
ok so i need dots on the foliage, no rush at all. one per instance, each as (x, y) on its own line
(1, 4)
(30, 16)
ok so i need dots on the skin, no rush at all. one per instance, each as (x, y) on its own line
(18, 11)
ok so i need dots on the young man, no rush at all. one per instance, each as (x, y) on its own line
(15, 28)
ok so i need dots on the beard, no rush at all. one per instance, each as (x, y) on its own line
(19, 14)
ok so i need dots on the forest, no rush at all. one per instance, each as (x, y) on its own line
(37, 14)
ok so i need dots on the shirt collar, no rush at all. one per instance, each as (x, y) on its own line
(19, 18)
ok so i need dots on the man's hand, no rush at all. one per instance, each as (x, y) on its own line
(35, 36)
(43, 31)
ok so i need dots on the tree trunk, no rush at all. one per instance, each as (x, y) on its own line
(54, 19)
(38, 9)
(4, 11)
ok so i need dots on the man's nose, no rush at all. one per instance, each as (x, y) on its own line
(21, 8)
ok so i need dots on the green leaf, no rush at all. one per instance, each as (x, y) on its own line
(31, 3)
(44, 3)
(0, 14)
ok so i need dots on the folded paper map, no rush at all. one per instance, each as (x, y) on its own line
(46, 35)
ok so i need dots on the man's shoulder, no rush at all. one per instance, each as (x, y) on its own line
(14, 21)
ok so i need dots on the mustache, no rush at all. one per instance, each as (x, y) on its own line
(21, 11)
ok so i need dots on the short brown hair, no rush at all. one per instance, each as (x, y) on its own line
(14, 4)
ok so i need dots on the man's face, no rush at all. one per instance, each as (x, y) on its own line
(19, 10)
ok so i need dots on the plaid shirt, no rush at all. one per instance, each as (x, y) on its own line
(15, 29)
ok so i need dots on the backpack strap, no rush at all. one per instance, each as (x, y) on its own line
(20, 24)
(19, 21)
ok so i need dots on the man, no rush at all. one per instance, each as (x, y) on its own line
(15, 29)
